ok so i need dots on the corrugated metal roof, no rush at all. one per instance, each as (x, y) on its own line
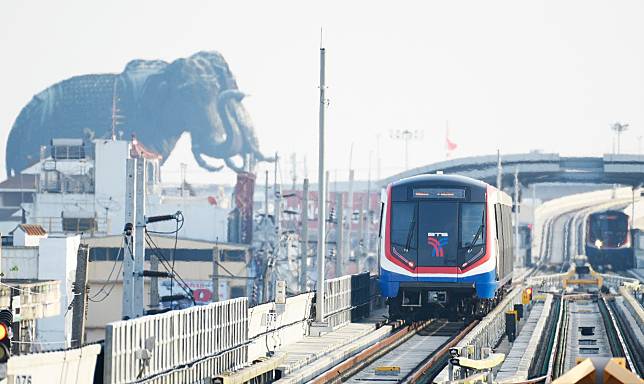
(33, 229)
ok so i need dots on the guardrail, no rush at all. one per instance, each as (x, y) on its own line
(634, 306)
(178, 346)
(337, 301)
(490, 330)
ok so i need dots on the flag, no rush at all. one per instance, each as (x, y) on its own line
(450, 145)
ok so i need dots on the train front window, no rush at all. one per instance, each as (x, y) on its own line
(403, 232)
(472, 236)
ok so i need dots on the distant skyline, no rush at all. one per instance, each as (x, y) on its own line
(514, 76)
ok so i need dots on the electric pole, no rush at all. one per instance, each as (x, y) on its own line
(79, 310)
(321, 249)
(339, 234)
(305, 236)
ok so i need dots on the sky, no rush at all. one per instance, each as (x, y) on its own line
(515, 76)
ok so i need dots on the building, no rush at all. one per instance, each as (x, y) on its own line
(79, 187)
(192, 261)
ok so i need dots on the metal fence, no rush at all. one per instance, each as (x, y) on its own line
(187, 345)
(337, 301)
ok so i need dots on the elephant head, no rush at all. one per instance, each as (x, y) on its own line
(157, 101)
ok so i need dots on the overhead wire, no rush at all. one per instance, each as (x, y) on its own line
(109, 278)
(167, 265)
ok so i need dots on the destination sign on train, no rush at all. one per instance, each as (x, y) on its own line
(439, 193)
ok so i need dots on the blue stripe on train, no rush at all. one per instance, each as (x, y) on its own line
(485, 283)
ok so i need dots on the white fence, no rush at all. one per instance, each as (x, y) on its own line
(337, 301)
(178, 346)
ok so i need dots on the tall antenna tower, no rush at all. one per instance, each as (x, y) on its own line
(115, 111)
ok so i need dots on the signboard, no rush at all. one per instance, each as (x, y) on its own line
(201, 289)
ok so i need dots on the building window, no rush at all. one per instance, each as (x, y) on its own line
(79, 224)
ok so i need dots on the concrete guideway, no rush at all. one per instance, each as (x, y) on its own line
(540, 168)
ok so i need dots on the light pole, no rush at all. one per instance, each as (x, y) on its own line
(406, 135)
(619, 128)
(319, 301)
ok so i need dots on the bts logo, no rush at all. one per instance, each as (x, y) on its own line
(437, 241)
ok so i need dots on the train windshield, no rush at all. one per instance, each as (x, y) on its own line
(472, 237)
(404, 233)
(437, 233)
(611, 229)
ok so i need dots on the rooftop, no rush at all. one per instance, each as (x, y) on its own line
(32, 229)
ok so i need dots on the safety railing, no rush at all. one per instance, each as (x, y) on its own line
(489, 331)
(337, 301)
(192, 343)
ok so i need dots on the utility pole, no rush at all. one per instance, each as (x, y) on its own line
(321, 251)
(265, 246)
(216, 258)
(154, 282)
(129, 235)
(139, 244)
(79, 309)
(294, 170)
(367, 243)
(516, 215)
(339, 234)
(499, 171)
(349, 223)
(304, 253)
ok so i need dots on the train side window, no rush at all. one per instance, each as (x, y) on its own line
(497, 218)
(382, 214)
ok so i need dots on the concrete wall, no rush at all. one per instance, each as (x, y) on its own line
(270, 333)
(110, 160)
(57, 261)
(20, 262)
(70, 366)
(22, 239)
(203, 221)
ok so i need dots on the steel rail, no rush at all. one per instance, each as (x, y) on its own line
(611, 321)
(433, 365)
(360, 361)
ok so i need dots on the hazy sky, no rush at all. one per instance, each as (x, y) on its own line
(514, 75)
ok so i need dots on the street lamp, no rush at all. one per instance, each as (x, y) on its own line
(619, 128)
(406, 135)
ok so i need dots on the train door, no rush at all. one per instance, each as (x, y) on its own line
(437, 235)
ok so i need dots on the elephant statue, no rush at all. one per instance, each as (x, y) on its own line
(155, 100)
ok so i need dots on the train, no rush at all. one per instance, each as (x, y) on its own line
(608, 240)
(446, 247)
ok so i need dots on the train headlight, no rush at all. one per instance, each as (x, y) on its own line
(598, 243)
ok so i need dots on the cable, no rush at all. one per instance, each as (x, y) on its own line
(109, 277)
(179, 219)
(174, 250)
(166, 264)
(22, 289)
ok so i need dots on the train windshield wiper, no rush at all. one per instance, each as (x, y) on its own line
(410, 233)
(476, 238)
